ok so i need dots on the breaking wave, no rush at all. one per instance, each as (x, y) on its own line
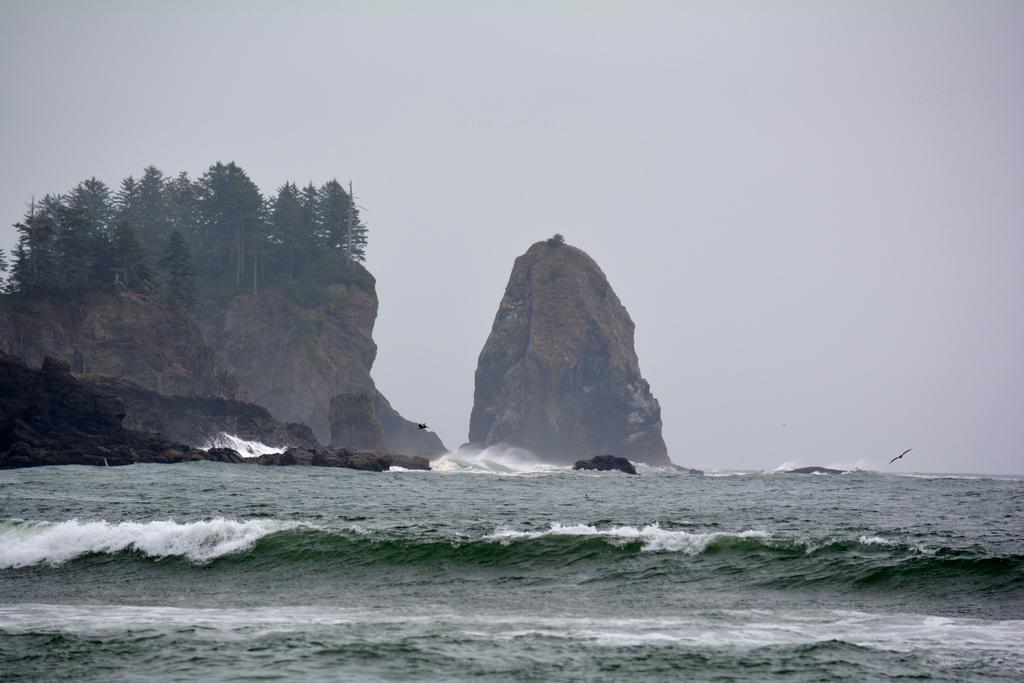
(23, 544)
(758, 557)
(247, 449)
(497, 459)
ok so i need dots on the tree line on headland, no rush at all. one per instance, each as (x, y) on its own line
(175, 236)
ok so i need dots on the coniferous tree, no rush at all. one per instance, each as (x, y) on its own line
(287, 225)
(183, 205)
(356, 246)
(132, 271)
(335, 210)
(3, 269)
(92, 198)
(153, 219)
(76, 244)
(126, 202)
(179, 273)
(311, 218)
(232, 222)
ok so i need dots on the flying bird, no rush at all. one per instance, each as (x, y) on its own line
(421, 425)
(900, 455)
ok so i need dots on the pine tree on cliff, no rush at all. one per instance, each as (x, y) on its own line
(127, 202)
(179, 273)
(92, 198)
(355, 248)
(76, 249)
(311, 223)
(335, 214)
(34, 270)
(153, 219)
(287, 227)
(182, 197)
(132, 272)
(231, 220)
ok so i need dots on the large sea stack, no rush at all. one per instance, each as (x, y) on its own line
(559, 373)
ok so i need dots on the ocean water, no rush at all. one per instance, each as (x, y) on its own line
(492, 570)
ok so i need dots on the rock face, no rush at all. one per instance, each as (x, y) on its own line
(124, 335)
(293, 356)
(196, 420)
(47, 417)
(605, 463)
(558, 374)
(354, 423)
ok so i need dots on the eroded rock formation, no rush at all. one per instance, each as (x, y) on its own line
(558, 374)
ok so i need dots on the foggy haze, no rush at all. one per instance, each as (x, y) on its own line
(814, 214)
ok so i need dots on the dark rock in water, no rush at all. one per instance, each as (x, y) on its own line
(342, 457)
(605, 463)
(224, 455)
(354, 423)
(814, 470)
(559, 374)
(196, 420)
(47, 417)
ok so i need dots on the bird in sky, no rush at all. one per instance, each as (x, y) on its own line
(421, 425)
(900, 455)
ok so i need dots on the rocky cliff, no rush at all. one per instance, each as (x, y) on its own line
(197, 420)
(125, 335)
(294, 353)
(559, 374)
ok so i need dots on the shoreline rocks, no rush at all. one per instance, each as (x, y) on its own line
(605, 463)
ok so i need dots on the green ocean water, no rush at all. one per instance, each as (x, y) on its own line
(209, 571)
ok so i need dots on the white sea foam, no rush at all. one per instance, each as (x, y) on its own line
(498, 459)
(653, 536)
(23, 544)
(247, 449)
(876, 540)
(702, 629)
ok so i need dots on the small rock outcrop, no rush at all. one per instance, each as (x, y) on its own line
(559, 374)
(349, 458)
(354, 423)
(47, 417)
(814, 470)
(605, 463)
(197, 420)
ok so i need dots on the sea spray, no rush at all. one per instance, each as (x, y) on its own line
(247, 449)
(498, 459)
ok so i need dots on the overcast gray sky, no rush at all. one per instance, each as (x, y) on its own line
(814, 212)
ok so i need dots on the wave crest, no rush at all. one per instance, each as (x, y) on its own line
(23, 544)
(653, 537)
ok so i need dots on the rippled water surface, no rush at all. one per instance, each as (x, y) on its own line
(236, 572)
